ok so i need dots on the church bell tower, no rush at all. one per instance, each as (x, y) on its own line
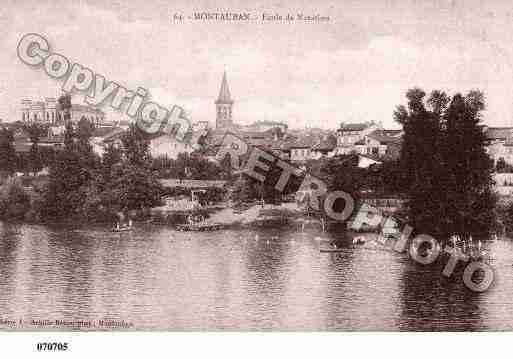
(224, 105)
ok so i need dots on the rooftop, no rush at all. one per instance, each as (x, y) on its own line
(354, 126)
(385, 136)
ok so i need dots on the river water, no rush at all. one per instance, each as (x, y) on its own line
(247, 279)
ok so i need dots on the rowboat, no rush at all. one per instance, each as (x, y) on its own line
(122, 229)
(331, 250)
(199, 227)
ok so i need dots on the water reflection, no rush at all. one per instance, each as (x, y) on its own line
(253, 279)
(431, 301)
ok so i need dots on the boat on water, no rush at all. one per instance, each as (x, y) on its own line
(199, 227)
(331, 250)
(121, 229)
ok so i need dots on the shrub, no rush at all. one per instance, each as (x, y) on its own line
(14, 200)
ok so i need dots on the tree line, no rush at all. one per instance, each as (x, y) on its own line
(80, 184)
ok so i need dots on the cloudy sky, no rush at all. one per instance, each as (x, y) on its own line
(356, 67)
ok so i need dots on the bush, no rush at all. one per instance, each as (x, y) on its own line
(14, 200)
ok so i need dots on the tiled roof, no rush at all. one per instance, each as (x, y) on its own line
(353, 127)
(268, 123)
(384, 136)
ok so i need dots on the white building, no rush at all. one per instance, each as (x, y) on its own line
(48, 112)
(169, 146)
(378, 142)
(500, 143)
(350, 134)
(503, 183)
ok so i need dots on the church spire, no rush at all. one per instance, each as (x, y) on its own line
(224, 92)
(224, 105)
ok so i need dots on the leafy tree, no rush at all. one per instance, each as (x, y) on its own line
(470, 201)
(342, 173)
(246, 188)
(7, 152)
(385, 178)
(83, 133)
(35, 131)
(133, 184)
(447, 173)
(111, 157)
(420, 160)
(70, 174)
(136, 147)
(64, 195)
(64, 105)
(134, 187)
(14, 201)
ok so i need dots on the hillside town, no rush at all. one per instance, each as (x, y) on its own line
(370, 141)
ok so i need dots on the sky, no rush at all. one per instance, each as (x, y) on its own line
(356, 67)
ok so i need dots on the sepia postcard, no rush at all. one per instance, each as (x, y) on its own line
(256, 166)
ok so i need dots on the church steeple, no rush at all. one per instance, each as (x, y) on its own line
(224, 104)
(224, 92)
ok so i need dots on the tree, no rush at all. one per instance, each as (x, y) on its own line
(65, 195)
(35, 131)
(468, 191)
(136, 147)
(64, 105)
(70, 174)
(341, 173)
(111, 157)
(14, 201)
(447, 173)
(7, 152)
(385, 178)
(501, 165)
(133, 187)
(133, 184)
(83, 133)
